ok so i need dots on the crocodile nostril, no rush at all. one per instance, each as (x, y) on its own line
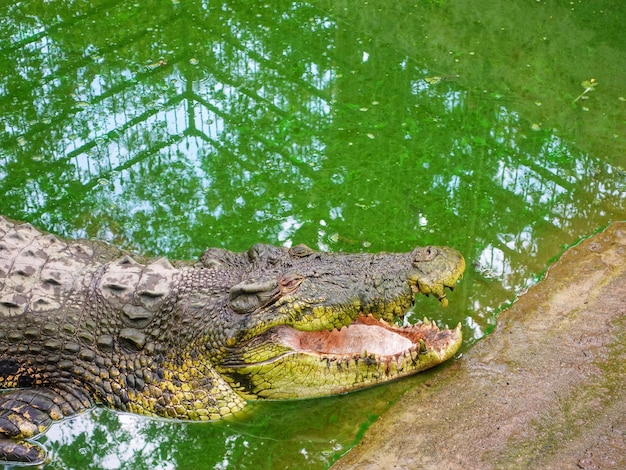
(424, 254)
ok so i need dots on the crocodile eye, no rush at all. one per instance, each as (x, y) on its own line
(301, 251)
(252, 294)
(289, 283)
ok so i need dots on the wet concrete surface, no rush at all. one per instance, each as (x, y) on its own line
(547, 389)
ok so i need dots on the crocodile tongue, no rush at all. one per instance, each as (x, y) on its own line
(354, 339)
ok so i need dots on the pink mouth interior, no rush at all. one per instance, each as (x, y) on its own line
(365, 335)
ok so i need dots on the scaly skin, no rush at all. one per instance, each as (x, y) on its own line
(83, 324)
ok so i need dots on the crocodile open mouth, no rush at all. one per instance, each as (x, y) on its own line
(371, 337)
(368, 337)
(307, 360)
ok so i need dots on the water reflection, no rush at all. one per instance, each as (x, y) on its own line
(106, 440)
(170, 127)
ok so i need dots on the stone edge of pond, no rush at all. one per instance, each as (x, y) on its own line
(545, 390)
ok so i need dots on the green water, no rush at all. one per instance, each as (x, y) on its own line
(165, 127)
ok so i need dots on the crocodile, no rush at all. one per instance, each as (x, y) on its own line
(85, 323)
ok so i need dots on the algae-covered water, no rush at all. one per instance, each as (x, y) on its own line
(165, 127)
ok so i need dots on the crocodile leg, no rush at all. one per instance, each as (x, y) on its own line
(26, 413)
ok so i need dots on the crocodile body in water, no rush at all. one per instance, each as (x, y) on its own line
(84, 324)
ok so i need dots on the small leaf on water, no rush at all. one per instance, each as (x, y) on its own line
(589, 83)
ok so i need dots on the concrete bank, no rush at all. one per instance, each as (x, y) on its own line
(546, 390)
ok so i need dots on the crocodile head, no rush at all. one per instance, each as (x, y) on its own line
(299, 323)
